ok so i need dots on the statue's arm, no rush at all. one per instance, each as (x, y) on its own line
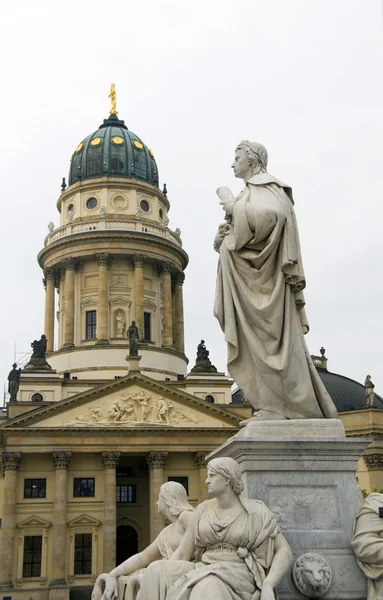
(282, 561)
(185, 550)
(138, 561)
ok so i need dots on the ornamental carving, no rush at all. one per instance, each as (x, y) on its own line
(136, 408)
(312, 575)
(179, 278)
(103, 259)
(109, 460)
(69, 264)
(10, 461)
(157, 460)
(138, 261)
(167, 267)
(61, 459)
(200, 459)
(374, 461)
(49, 273)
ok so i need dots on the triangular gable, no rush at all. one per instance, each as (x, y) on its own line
(34, 521)
(134, 401)
(84, 521)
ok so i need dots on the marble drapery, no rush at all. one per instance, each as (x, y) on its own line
(259, 304)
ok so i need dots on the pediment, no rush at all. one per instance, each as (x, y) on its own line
(84, 521)
(34, 521)
(133, 402)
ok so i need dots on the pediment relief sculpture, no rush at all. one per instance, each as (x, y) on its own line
(135, 408)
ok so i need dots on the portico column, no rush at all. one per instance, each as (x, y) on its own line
(69, 265)
(138, 262)
(109, 461)
(103, 309)
(10, 464)
(200, 462)
(156, 462)
(167, 307)
(61, 462)
(49, 321)
(179, 337)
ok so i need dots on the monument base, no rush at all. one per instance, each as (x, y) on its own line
(305, 472)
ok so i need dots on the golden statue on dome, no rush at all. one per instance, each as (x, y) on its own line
(112, 96)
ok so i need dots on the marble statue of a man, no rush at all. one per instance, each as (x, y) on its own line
(259, 301)
(367, 543)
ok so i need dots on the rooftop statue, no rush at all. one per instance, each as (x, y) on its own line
(173, 505)
(369, 392)
(133, 336)
(259, 300)
(203, 362)
(39, 347)
(232, 547)
(13, 382)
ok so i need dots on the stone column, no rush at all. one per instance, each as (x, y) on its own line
(103, 308)
(156, 462)
(167, 308)
(179, 337)
(69, 303)
(49, 321)
(10, 464)
(61, 462)
(109, 461)
(138, 262)
(200, 462)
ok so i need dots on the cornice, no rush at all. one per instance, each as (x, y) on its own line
(137, 431)
(143, 238)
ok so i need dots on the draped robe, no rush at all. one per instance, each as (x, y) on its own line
(259, 304)
(234, 555)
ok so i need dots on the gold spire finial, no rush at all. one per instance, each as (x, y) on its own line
(112, 96)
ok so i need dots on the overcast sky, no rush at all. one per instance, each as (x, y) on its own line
(304, 77)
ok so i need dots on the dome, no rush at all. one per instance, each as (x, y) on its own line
(346, 393)
(113, 151)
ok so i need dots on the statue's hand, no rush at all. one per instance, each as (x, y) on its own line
(267, 592)
(111, 588)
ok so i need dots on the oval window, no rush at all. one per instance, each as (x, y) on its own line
(210, 399)
(37, 398)
(91, 203)
(144, 205)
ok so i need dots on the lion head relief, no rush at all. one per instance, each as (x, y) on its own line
(312, 575)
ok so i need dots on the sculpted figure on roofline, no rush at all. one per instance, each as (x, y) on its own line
(259, 300)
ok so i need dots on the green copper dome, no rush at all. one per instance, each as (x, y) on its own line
(113, 151)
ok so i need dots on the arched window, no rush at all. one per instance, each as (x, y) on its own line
(210, 398)
(37, 398)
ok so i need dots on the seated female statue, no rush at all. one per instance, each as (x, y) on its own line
(240, 553)
(173, 505)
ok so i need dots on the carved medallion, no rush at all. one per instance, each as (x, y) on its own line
(312, 575)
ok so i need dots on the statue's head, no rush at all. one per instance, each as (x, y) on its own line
(250, 157)
(14, 366)
(229, 469)
(173, 495)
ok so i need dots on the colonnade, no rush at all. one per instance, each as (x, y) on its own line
(10, 462)
(172, 308)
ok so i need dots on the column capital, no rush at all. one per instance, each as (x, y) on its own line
(179, 278)
(61, 459)
(200, 459)
(109, 460)
(10, 461)
(157, 460)
(374, 461)
(69, 264)
(103, 259)
(138, 260)
(167, 267)
(49, 273)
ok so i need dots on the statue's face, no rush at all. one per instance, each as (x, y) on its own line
(216, 483)
(161, 505)
(241, 164)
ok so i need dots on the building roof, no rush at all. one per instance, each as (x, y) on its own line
(113, 151)
(346, 393)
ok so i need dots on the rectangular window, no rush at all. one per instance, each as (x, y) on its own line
(32, 555)
(147, 329)
(124, 471)
(35, 488)
(82, 553)
(83, 487)
(125, 493)
(90, 322)
(183, 480)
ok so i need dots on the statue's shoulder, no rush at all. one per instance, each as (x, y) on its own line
(255, 506)
(265, 179)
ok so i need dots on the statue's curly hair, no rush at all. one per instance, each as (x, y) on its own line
(256, 154)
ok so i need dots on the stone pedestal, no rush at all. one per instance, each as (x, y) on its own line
(305, 472)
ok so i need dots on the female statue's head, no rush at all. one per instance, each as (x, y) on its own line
(173, 496)
(229, 469)
(249, 156)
